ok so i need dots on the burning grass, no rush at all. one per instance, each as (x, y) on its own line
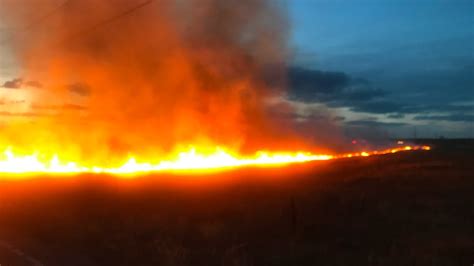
(412, 208)
(166, 80)
(192, 161)
(161, 86)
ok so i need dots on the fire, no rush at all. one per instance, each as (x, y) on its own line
(17, 166)
(151, 77)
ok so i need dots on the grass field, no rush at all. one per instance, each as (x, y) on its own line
(414, 208)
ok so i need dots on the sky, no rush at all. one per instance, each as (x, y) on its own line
(389, 65)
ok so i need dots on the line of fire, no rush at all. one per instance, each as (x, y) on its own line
(146, 87)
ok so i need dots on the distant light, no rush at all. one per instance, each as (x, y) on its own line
(400, 142)
(354, 141)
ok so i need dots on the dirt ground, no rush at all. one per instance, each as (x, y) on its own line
(413, 208)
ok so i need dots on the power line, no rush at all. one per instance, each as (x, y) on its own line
(85, 31)
(112, 19)
(40, 19)
(46, 16)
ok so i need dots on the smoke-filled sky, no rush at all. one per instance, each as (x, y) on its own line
(378, 67)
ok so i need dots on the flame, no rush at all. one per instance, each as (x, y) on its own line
(191, 160)
(149, 77)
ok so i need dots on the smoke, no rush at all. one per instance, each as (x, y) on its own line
(153, 75)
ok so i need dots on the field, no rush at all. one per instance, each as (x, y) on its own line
(414, 208)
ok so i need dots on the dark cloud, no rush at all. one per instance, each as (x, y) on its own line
(337, 89)
(318, 115)
(360, 94)
(13, 84)
(24, 114)
(371, 129)
(451, 117)
(80, 88)
(4, 102)
(446, 85)
(425, 108)
(19, 83)
(425, 79)
(378, 107)
(396, 116)
(33, 83)
(69, 107)
(374, 123)
(309, 85)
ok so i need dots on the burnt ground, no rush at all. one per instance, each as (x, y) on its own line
(414, 208)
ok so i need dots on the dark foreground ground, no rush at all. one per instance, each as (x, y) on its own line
(413, 208)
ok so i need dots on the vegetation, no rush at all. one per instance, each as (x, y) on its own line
(413, 208)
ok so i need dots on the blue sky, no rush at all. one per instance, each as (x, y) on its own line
(330, 25)
(417, 56)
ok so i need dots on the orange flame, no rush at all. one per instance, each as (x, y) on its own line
(17, 166)
(150, 77)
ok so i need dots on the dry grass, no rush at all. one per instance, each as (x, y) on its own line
(403, 209)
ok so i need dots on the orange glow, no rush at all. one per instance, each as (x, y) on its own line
(183, 87)
(191, 161)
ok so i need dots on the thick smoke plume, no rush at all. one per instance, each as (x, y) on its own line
(152, 75)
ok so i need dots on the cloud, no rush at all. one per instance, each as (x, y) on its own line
(424, 108)
(378, 107)
(79, 88)
(374, 123)
(337, 89)
(13, 84)
(69, 107)
(9, 102)
(396, 116)
(34, 83)
(308, 84)
(24, 114)
(427, 80)
(371, 129)
(18, 83)
(360, 94)
(451, 117)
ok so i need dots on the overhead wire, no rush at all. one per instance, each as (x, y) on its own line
(38, 21)
(111, 19)
(90, 29)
